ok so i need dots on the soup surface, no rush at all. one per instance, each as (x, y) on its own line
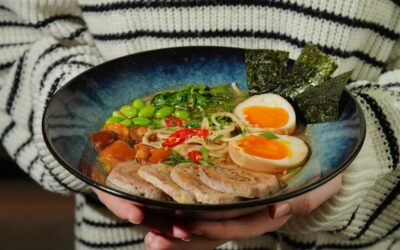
(201, 144)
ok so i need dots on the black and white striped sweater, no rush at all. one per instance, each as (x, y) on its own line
(43, 43)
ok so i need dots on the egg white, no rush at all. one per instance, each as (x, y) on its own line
(271, 101)
(298, 155)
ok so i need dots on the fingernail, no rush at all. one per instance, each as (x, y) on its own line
(180, 232)
(282, 210)
(135, 220)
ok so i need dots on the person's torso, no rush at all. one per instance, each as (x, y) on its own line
(359, 33)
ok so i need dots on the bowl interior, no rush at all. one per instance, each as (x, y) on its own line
(81, 106)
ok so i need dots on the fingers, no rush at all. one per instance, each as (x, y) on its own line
(154, 241)
(171, 227)
(127, 210)
(306, 203)
(238, 228)
(124, 209)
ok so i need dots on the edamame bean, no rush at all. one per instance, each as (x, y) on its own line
(164, 112)
(143, 121)
(181, 114)
(138, 104)
(114, 119)
(118, 114)
(126, 122)
(128, 111)
(147, 111)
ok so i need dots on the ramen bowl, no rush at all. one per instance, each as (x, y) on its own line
(82, 105)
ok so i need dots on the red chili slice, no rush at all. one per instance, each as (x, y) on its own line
(181, 135)
(195, 156)
(172, 121)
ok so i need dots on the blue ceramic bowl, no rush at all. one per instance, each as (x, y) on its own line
(82, 105)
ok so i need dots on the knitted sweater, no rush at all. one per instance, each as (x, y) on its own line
(44, 43)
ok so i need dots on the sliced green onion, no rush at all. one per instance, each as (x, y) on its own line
(270, 136)
(186, 160)
(216, 138)
(204, 153)
(206, 163)
(176, 156)
(170, 163)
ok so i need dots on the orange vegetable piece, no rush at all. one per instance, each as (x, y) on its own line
(142, 155)
(100, 140)
(143, 151)
(118, 151)
(144, 147)
(117, 128)
(160, 154)
(136, 133)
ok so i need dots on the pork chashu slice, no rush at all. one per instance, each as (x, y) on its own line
(160, 176)
(236, 181)
(124, 177)
(186, 175)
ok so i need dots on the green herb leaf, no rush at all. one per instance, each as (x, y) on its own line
(244, 132)
(269, 135)
(161, 99)
(170, 163)
(206, 163)
(186, 160)
(220, 91)
(204, 153)
(228, 107)
(194, 124)
(216, 138)
(176, 156)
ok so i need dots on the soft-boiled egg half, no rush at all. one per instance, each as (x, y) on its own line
(258, 152)
(267, 113)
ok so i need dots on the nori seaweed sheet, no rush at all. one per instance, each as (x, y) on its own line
(265, 69)
(321, 103)
(312, 68)
(307, 83)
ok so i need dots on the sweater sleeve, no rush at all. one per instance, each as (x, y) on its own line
(366, 207)
(43, 44)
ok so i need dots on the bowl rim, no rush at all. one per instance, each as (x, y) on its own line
(198, 207)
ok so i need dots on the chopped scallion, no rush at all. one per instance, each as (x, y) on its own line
(206, 163)
(269, 135)
(216, 138)
(204, 153)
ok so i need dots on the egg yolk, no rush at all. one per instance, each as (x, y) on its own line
(263, 147)
(266, 117)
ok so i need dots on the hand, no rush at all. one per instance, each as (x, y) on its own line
(123, 209)
(129, 211)
(210, 234)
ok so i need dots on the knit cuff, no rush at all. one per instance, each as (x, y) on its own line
(378, 156)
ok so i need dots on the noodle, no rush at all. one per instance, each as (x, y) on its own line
(227, 114)
(204, 123)
(211, 147)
